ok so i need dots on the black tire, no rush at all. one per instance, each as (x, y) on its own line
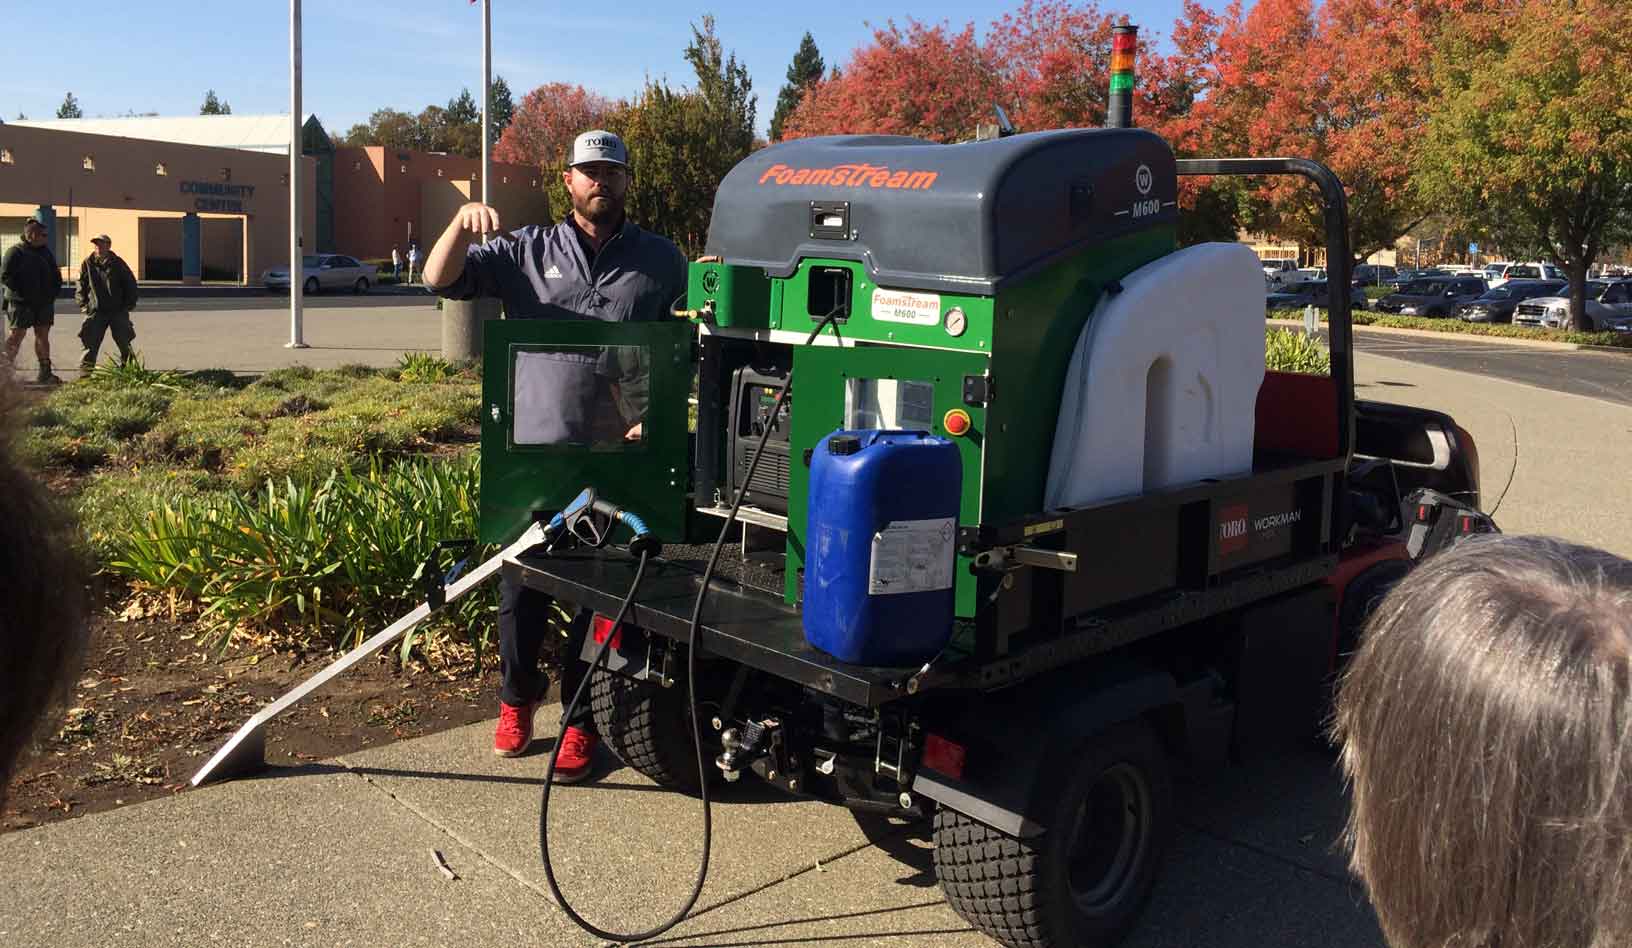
(1070, 886)
(312, 286)
(361, 286)
(649, 728)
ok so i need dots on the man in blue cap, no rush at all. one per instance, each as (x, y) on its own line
(594, 263)
(31, 279)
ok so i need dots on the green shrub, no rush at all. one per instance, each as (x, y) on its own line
(1287, 350)
(110, 502)
(130, 373)
(340, 556)
(424, 367)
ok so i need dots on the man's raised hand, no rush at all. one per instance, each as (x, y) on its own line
(476, 218)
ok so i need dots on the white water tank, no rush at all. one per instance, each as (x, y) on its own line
(1163, 385)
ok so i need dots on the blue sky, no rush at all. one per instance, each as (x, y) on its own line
(361, 55)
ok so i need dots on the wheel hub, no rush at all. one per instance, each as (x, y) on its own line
(1109, 838)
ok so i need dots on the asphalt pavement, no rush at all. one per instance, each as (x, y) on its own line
(1605, 375)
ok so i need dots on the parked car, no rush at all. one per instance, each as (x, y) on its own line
(1278, 272)
(1404, 277)
(1306, 274)
(1370, 274)
(323, 271)
(1497, 305)
(1609, 308)
(1528, 271)
(1308, 292)
(1494, 269)
(1434, 296)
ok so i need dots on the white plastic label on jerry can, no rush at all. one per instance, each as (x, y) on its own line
(912, 556)
(1311, 322)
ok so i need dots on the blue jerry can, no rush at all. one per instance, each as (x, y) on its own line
(881, 545)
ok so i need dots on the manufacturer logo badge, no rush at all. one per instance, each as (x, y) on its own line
(1143, 179)
(1232, 529)
(553, 273)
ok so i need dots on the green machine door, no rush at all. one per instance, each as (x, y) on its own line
(569, 404)
(883, 387)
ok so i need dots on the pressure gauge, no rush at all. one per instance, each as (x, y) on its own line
(955, 321)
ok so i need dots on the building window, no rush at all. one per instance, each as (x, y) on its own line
(88, 163)
(283, 179)
(439, 172)
(504, 179)
(6, 158)
(535, 183)
(226, 174)
(160, 169)
(402, 169)
(357, 166)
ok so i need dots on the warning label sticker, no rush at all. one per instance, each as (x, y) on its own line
(896, 306)
(913, 556)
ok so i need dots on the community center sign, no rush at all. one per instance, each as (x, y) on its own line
(218, 198)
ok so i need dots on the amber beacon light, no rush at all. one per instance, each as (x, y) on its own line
(1119, 109)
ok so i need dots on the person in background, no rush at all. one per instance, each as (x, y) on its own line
(396, 263)
(42, 614)
(31, 278)
(413, 260)
(1486, 722)
(106, 295)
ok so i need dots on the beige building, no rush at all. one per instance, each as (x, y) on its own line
(175, 211)
(385, 197)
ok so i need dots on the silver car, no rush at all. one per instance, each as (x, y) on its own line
(1609, 308)
(324, 271)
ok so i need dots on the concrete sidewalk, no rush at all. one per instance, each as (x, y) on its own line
(341, 854)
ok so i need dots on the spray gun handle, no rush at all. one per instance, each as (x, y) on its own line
(587, 506)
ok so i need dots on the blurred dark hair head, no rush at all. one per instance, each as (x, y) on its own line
(42, 596)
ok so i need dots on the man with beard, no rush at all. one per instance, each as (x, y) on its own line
(592, 264)
(29, 272)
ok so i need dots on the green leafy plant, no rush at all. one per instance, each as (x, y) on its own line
(132, 372)
(337, 558)
(1286, 350)
(424, 367)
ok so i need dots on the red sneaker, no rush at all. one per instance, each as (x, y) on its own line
(577, 755)
(515, 730)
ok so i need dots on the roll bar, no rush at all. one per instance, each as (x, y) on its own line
(1340, 331)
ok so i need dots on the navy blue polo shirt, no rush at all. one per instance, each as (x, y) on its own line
(545, 273)
(577, 397)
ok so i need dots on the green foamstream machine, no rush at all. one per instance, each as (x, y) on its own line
(1149, 553)
(1160, 553)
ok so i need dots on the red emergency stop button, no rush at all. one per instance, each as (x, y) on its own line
(956, 423)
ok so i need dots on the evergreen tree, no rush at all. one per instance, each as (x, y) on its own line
(806, 68)
(214, 106)
(69, 108)
(464, 110)
(501, 106)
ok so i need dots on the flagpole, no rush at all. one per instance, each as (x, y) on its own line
(487, 96)
(297, 271)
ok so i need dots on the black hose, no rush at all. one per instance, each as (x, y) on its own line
(549, 780)
(691, 690)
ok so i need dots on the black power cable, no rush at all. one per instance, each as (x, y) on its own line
(691, 690)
